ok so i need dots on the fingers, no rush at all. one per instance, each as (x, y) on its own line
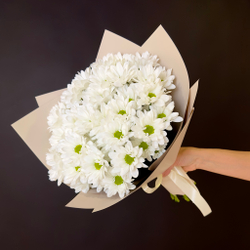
(186, 169)
(183, 159)
(166, 173)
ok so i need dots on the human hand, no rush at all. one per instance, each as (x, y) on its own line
(188, 158)
(225, 162)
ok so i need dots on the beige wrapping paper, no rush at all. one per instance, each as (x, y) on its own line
(32, 128)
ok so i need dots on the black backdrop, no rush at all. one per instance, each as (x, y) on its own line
(44, 43)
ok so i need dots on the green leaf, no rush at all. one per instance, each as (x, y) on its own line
(186, 198)
(174, 197)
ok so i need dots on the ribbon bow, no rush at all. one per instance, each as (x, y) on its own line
(179, 183)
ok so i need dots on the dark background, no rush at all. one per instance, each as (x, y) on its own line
(44, 43)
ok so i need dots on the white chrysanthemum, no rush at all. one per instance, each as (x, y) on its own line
(72, 148)
(56, 137)
(152, 94)
(103, 117)
(145, 59)
(121, 74)
(167, 115)
(55, 119)
(76, 178)
(95, 166)
(69, 118)
(121, 107)
(126, 160)
(127, 57)
(147, 74)
(81, 79)
(114, 133)
(120, 58)
(96, 95)
(167, 79)
(148, 149)
(114, 184)
(130, 92)
(73, 94)
(159, 151)
(54, 160)
(100, 76)
(149, 128)
(80, 187)
(107, 60)
(88, 118)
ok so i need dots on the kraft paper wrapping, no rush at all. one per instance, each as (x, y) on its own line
(33, 128)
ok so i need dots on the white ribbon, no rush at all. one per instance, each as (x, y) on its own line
(179, 183)
(150, 190)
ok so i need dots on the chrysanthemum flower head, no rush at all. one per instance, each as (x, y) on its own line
(116, 184)
(125, 160)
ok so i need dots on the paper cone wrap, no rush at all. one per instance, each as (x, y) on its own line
(33, 128)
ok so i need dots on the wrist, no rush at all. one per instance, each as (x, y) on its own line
(210, 159)
(202, 157)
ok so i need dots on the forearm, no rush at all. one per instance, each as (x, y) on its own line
(226, 162)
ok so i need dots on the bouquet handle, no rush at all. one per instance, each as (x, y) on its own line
(179, 183)
(150, 190)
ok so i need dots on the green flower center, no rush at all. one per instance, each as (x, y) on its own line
(118, 180)
(78, 149)
(161, 115)
(130, 99)
(156, 151)
(143, 145)
(98, 166)
(149, 130)
(118, 134)
(128, 159)
(122, 112)
(77, 168)
(151, 95)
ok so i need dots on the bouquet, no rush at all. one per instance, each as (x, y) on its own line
(112, 117)
(113, 122)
